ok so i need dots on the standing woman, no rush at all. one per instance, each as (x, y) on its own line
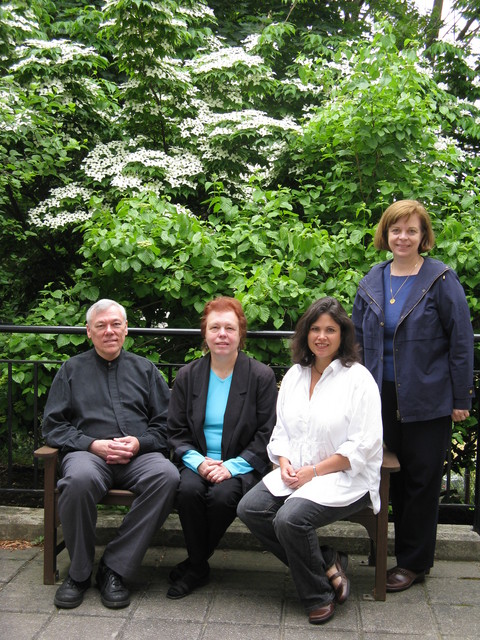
(412, 320)
(327, 443)
(220, 418)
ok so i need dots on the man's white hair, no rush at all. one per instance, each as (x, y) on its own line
(102, 305)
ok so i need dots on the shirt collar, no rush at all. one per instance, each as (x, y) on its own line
(108, 363)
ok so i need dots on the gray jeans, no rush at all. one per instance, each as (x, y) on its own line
(287, 528)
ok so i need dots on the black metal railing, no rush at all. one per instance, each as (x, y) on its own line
(16, 374)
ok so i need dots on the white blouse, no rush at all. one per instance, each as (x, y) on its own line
(343, 416)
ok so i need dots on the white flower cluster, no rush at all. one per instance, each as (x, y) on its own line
(466, 111)
(14, 20)
(178, 22)
(342, 66)
(8, 103)
(308, 88)
(182, 210)
(63, 50)
(107, 23)
(56, 211)
(223, 124)
(223, 59)
(150, 109)
(16, 122)
(213, 42)
(116, 161)
(208, 129)
(30, 60)
(251, 41)
(124, 182)
(51, 86)
(105, 160)
(108, 4)
(181, 167)
(198, 10)
(446, 143)
(261, 174)
(168, 69)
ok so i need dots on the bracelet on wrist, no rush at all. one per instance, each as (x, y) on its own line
(314, 471)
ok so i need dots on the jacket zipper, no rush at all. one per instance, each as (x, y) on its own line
(395, 334)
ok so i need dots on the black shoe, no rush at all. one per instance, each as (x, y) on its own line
(187, 583)
(70, 594)
(113, 592)
(179, 571)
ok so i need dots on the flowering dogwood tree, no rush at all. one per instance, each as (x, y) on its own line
(163, 152)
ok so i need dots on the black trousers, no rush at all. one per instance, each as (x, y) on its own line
(421, 449)
(206, 511)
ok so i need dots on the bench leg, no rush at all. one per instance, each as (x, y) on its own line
(50, 574)
(50, 540)
(380, 590)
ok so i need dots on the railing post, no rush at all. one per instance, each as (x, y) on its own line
(476, 514)
(9, 421)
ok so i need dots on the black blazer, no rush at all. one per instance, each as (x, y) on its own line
(249, 418)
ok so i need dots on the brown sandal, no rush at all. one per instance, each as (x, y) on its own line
(342, 589)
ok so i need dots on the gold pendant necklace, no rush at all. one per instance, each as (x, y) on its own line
(393, 297)
(319, 372)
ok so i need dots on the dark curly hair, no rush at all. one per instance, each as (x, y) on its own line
(348, 352)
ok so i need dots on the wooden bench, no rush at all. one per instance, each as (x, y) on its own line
(376, 525)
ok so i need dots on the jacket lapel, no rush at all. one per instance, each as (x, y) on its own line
(201, 375)
(236, 399)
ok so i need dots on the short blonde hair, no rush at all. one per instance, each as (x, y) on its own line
(397, 211)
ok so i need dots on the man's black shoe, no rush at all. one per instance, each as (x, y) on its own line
(70, 594)
(113, 592)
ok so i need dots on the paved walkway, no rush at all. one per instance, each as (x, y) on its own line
(250, 596)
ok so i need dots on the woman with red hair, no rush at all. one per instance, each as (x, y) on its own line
(220, 418)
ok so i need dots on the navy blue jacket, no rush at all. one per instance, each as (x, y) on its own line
(432, 344)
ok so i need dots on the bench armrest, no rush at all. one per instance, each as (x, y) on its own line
(49, 455)
(390, 461)
(46, 452)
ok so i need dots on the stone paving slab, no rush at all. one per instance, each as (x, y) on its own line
(250, 597)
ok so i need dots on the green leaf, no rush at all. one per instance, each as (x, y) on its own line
(18, 377)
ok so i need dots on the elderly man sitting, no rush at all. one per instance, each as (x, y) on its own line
(106, 412)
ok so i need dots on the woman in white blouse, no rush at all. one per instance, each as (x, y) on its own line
(327, 443)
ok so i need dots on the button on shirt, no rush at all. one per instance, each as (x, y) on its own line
(343, 416)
